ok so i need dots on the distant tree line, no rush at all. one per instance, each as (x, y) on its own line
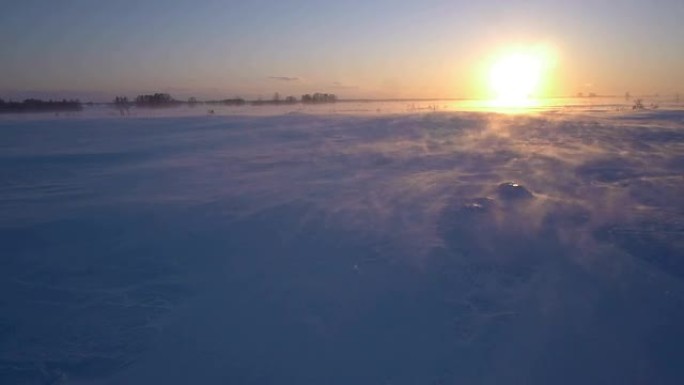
(229, 102)
(163, 99)
(319, 98)
(276, 99)
(121, 101)
(307, 98)
(37, 105)
(147, 100)
(155, 100)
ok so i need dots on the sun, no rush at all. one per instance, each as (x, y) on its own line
(516, 77)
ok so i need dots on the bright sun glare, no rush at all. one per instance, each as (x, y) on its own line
(516, 78)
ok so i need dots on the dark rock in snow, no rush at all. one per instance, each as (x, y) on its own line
(511, 191)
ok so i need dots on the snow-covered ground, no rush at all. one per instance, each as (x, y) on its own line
(418, 245)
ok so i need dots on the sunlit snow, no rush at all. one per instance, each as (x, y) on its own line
(355, 244)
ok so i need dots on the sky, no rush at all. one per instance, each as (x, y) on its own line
(355, 49)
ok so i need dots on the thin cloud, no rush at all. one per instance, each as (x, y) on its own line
(284, 78)
(344, 86)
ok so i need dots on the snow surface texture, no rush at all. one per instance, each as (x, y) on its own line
(439, 248)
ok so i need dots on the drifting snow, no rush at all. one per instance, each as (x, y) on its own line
(461, 247)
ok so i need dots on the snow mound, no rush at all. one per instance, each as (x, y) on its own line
(511, 192)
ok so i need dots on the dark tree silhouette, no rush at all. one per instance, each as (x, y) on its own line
(121, 101)
(37, 105)
(319, 98)
(229, 102)
(155, 100)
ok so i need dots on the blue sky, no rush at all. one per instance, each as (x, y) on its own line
(352, 48)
